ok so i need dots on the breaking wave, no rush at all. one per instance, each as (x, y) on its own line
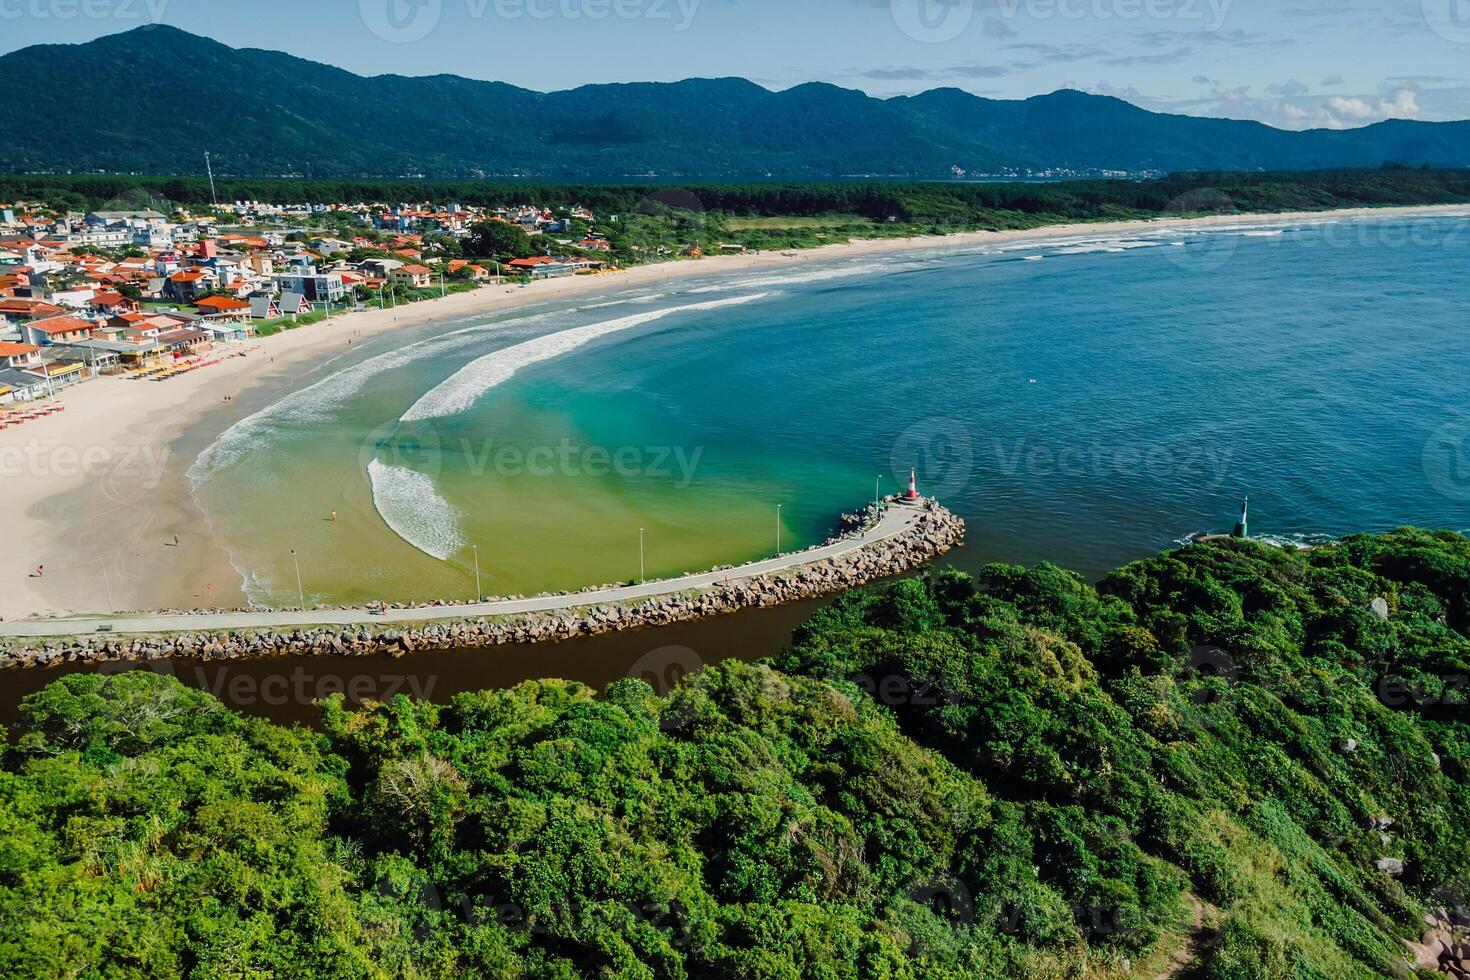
(409, 504)
(465, 386)
(793, 278)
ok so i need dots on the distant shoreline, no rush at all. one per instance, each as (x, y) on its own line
(102, 488)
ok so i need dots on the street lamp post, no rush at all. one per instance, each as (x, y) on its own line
(877, 493)
(479, 592)
(300, 592)
(107, 584)
(778, 530)
(641, 576)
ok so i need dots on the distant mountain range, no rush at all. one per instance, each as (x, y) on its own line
(154, 99)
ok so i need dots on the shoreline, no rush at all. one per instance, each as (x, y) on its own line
(99, 492)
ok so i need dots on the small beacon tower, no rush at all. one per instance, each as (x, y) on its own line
(1243, 529)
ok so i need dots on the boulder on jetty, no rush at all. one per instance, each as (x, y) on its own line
(934, 532)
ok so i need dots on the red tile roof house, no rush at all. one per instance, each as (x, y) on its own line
(416, 276)
(477, 272)
(110, 302)
(56, 330)
(542, 267)
(223, 308)
(190, 284)
(17, 310)
(17, 355)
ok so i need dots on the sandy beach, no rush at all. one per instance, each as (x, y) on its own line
(98, 494)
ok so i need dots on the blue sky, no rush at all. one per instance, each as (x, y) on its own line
(1296, 64)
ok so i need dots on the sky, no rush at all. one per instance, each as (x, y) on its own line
(1296, 64)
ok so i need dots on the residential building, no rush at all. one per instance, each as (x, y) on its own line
(413, 276)
(223, 308)
(189, 284)
(316, 286)
(56, 330)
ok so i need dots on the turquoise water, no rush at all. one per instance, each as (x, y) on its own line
(1085, 401)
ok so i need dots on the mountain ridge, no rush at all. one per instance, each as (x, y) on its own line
(159, 97)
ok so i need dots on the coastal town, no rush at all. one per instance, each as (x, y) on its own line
(152, 293)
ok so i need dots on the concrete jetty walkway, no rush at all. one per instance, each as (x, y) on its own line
(897, 518)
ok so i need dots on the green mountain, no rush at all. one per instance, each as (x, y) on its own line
(155, 98)
(1230, 761)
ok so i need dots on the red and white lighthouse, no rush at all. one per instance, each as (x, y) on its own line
(913, 493)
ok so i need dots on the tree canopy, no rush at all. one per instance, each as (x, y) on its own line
(501, 240)
(1010, 774)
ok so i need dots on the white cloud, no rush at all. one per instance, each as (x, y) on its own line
(1401, 104)
(1349, 108)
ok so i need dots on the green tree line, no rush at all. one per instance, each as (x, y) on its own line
(948, 204)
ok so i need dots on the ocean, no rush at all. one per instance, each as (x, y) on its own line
(1086, 401)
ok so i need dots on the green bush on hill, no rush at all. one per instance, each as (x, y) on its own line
(1015, 774)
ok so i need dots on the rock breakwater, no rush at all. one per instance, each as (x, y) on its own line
(933, 532)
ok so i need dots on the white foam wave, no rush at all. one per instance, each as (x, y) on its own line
(317, 402)
(1111, 245)
(409, 504)
(792, 279)
(464, 387)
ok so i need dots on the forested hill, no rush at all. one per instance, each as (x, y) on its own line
(1231, 754)
(154, 99)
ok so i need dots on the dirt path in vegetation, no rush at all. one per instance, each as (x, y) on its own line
(1199, 939)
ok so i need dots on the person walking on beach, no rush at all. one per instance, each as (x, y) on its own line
(40, 571)
(334, 517)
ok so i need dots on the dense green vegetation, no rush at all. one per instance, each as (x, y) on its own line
(293, 117)
(1017, 774)
(949, 205)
